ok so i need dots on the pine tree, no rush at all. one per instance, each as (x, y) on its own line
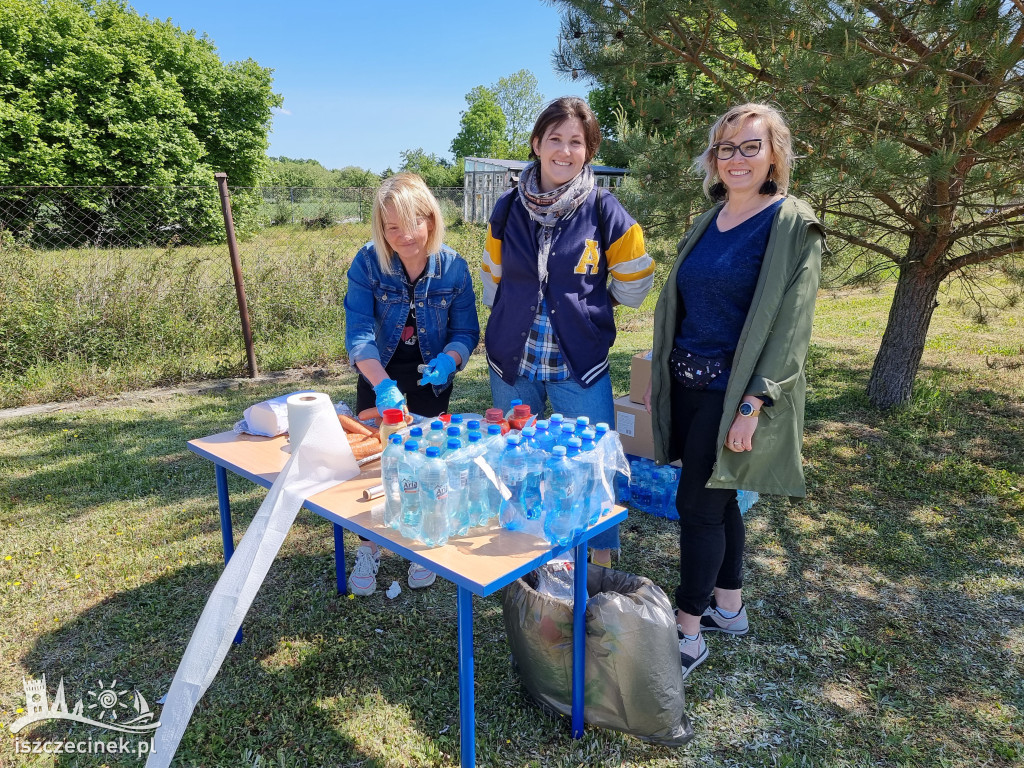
(908, 117)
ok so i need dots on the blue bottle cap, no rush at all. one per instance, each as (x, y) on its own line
(433, 452)
(395, 438)
(454, 431)
(438, 424)
(453, 444)
(473, 424)
(412, 445)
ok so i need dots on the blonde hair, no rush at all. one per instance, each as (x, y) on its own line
(409, 198)
(778, 137)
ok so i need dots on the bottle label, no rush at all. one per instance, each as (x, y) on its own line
(410, 485)
(441, 491)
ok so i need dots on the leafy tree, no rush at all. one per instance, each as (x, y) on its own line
(520, 102)
(352, 176)
(909, 117)
(436, 171)
(93, 94)
(286, 172)
(482, 127)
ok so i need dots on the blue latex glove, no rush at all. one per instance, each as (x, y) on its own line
(439, 370)
(388, 396)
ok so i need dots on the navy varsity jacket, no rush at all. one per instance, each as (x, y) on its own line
(593, 259)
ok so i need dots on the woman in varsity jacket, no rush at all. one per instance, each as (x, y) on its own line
(560, 255)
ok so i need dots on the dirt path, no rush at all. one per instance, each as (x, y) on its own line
(161, 393)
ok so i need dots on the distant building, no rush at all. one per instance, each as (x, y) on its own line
(487, 177)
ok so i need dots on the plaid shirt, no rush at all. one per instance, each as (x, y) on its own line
(542, 360)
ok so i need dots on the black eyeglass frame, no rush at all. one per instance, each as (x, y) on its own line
(717, 147)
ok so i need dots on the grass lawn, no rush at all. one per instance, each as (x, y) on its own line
(887, 610)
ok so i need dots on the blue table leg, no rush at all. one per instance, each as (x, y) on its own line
(225, 520)
(467, 717)
(579, 638)
(339, 559)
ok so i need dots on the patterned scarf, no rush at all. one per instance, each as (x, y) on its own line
(546, 208)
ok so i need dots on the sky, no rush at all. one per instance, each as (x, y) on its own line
(364, 80)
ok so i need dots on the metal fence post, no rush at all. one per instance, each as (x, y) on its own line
(236, 270)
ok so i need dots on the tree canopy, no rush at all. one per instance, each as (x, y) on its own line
(435, 171)
(93, 94)
(482, 127)
(908, 119)
(520, 102)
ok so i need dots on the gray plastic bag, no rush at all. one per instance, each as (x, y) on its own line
(634, 681)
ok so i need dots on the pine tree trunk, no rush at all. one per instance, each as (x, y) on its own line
(898, 358)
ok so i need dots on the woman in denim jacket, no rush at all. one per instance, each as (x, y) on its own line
(410, 303)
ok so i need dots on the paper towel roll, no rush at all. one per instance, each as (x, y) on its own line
(303, 410)
(320, 458)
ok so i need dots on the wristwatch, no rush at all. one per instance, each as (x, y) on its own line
(747, 409)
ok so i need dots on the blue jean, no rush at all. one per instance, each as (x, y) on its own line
(569, 399)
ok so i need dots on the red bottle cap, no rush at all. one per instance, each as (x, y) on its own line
(394, 416)
(494, 416)
(521, 412)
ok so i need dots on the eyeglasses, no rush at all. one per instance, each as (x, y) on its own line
(724, 150)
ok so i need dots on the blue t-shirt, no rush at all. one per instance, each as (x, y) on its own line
(716, 284)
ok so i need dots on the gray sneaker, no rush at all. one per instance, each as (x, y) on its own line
(692, 653)
(363, 579)
(713, 621)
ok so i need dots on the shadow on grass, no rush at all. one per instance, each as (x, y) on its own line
(324, 679)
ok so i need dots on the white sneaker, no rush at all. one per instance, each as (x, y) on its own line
(420, 577)
(363, 579)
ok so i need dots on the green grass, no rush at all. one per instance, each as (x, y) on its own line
(887, 610)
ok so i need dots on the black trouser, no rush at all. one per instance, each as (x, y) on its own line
(711, 533)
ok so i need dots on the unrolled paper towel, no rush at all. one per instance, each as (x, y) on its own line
(320, 458)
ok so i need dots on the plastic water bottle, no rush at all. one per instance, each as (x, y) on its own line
(640, 485)
(389, 461)
(593, 498)
(532, 499)
(512, 512)
(559, 497)
(494, 448)
(435, 437)
(409, 476)
(582, 423)
(622, 490)
(568, 430)
(435, 526)
(600, 430)
(458, 486)
(476, 488)
(459, 423)
(555, 421)
(543, 440)
(416, 433)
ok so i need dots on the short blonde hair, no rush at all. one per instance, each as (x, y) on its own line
(779, 137)
(408, 196)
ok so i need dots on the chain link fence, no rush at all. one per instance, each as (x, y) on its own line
(109, 288)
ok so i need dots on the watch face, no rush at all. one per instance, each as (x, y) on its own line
(746, 409)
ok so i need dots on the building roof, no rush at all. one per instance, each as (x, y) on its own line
(518, 165)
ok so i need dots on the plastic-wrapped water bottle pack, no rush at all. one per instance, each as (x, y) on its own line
(652, 488)
(551, 478)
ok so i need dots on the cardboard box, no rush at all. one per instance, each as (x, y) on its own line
(639, 376)
(633, 423)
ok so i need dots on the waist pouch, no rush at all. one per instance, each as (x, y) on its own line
(694, 371)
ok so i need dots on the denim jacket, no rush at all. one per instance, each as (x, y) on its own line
(377, 305)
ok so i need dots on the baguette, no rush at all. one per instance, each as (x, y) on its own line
(363, 445)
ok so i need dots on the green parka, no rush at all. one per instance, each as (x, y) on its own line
(769, 361)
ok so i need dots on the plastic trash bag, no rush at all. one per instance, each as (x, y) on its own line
(633, 678)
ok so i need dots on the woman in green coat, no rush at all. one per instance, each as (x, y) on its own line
(731, 331)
